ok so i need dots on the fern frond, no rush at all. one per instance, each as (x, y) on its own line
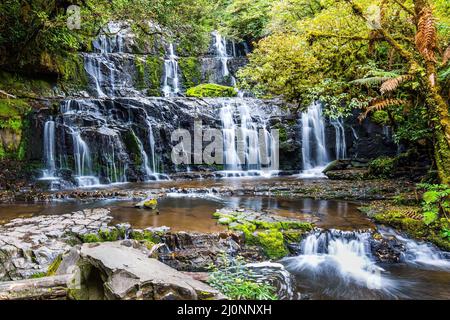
(380, 104)
(392, 84)
(426, 34)
(370, 81)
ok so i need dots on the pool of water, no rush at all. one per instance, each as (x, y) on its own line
(194, 212)
(335, 264)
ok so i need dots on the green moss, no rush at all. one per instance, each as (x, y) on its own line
(109, 235)
(211, 90)
(271, 236)
(71, 71)
(416, 228)
(132, 145)
(51, 271)
(382, 167)
(191, 70)
(149, 74)
(38, 275)
(380, 117)
(272, 242)
(90, 238)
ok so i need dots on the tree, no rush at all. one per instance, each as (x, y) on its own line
(389, 55)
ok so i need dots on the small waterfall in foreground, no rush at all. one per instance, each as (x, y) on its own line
(421, 254)
(249, 147)
(314, 152)
(171, 82)
(83, 161)
(342, 262)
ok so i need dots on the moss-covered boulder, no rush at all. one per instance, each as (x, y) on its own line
(211, 90)
(12, 123)
(269, 231)
(409, 219)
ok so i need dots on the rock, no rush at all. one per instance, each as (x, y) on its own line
(30, 245)
(151, 204)
(112, 271)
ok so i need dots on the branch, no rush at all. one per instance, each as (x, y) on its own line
(404, 7)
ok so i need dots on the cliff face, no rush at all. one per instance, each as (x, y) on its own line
(109, 115)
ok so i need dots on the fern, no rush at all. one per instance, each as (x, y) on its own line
(426, 35)
(392, 84)
(370, 81)
(377, 105)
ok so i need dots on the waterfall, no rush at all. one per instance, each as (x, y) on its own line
(341, 147)
(345, 255)
(171, 81)
(314, 152)
(220, 46)
(49, 150)
(249, 146)
(83, 161)
(417, 253)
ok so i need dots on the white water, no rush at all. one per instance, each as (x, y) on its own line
(342, 257)
(314, 153)
(220, 46)
(249, 148)
(171, 82)
(49, 150)
(341, 146)
(421, 254)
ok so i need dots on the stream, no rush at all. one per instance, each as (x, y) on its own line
(333, 262)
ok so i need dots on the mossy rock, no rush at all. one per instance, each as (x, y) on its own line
(51, 271)
(191, 70)
(151, 204)
(271, 236)
(272, 243)
(211, 90)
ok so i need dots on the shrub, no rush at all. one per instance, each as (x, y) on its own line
(382, 167)
(211, 90)
(236, 281)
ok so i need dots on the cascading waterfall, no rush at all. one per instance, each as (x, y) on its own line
(83, 161)
(422, 254)
(49, 150)
(314, 152)
(344, 257)
(249, 147)
(341, 146)
(220, 45)
(171, 82)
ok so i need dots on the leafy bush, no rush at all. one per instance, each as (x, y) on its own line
(236, 281)
(436, 201)
(211, 90)
(382, 167)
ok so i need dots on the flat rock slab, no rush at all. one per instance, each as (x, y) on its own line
(128, 273)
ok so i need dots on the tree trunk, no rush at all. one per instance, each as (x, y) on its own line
(46, 288)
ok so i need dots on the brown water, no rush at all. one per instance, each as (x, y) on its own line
(194, 213)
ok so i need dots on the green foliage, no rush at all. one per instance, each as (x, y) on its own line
(245, 19)
(380, 117)
(272, 242)
(191, 70)
(211, 90)
(238, 282)
(382, 167)
(436, 201)
(90, 238)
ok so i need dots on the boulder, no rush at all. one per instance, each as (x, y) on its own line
(113, 271)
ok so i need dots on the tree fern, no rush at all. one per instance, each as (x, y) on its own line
(380, 104)
(426, 35)
(392, 84)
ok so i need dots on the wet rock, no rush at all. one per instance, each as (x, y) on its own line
(30, 245)
(197, 251)
(113, 271)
